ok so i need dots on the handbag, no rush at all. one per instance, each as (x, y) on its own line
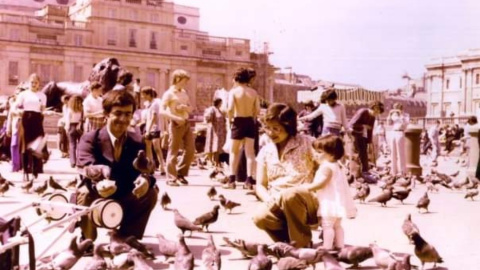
(36, 146)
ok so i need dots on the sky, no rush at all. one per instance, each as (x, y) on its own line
(367, 42)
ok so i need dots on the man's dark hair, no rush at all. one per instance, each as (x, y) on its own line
(137, 80)
(284, 115)
(330, 144)
(472, 120)
(217, 101)
(378, 104)
(330, 94)
(149, 91)
(120, 98)
(244, 75)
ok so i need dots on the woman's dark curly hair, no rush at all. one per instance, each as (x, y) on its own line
(244, 75)
(283, 114)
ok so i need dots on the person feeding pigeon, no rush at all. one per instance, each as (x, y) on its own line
(117, 155)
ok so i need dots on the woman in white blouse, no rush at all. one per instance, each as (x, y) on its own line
(399, 121)
(73, 126)
(31, 106)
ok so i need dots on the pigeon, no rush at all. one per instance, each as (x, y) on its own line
(291, 263)
(211, 257)
(443, 177)
(117, 244)
(408, 227)
(431, 187)
(54, 185)
(40, 189)
(472, 184)
(401, 194)
(122, 261)
(281, 250)
(212, 192)
(384, 197)
(4, 188)
(382, 257)
(2, 179)
(183, 223)
(98, 261)
(248, 249)
(72, 183)
(138, 259)
(167, 248)
(227, 204)
(183, 257)
(455, 174)
(143, 164)
(133, 242)
(403, 264)
(310, 255)
(69, 257)
(27, 186)
(362, 193)
(208, 218)
(261, 261)
(165, 200)
(423, 202)
(471, 194)
(330, 263)
(404, 182)
(354, 255)
(424, 251)
(461, 183)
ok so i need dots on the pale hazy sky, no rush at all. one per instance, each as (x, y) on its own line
(367, 42)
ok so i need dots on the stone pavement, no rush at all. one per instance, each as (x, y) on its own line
(451, 225)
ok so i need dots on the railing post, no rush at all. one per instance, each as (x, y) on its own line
(412, 149)
(473, 151)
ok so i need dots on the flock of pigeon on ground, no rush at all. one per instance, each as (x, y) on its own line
(129, 253)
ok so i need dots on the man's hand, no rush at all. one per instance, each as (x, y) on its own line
(141, 186)
(97, 172)
(106, 188)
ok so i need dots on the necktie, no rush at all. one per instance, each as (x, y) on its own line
(117, 150)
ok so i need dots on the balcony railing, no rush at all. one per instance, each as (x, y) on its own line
(134, 1)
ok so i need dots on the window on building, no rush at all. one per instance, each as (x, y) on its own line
(153, 40)
(78, 40)
(12, 73)
(134, 15)
(238, 53)
(151, 78)
(447, 84)
(154, 18)
(14, 34)
(112, 13)
(477, 79)
(132, 38)
(78, 74)
(183, 47)
(111, 36)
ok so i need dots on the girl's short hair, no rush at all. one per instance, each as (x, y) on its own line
(330, 144)
(244, 75)
(217, 101)
(330, 94)
(283, 114)
(178, 75)
(378, 104)
(149, 91)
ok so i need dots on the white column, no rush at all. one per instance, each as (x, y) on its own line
(162, 82)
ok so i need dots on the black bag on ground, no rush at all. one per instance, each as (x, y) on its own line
(10, 259)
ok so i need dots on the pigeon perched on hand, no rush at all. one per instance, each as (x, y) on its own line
(424, 251)
(211, 257)
(261, 261)
(184, 224)
(167, 248)
(184, 258)
(143, 164)
(208, 218)
(423, 202)
(227, 204)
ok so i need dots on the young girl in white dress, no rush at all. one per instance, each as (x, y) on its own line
(330, 184)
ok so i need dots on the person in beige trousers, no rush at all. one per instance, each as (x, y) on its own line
(399, 121)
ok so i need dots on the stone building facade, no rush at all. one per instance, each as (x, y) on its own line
(453, 85)
(61, 40)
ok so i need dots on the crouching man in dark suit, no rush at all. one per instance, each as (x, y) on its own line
(108, 153)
